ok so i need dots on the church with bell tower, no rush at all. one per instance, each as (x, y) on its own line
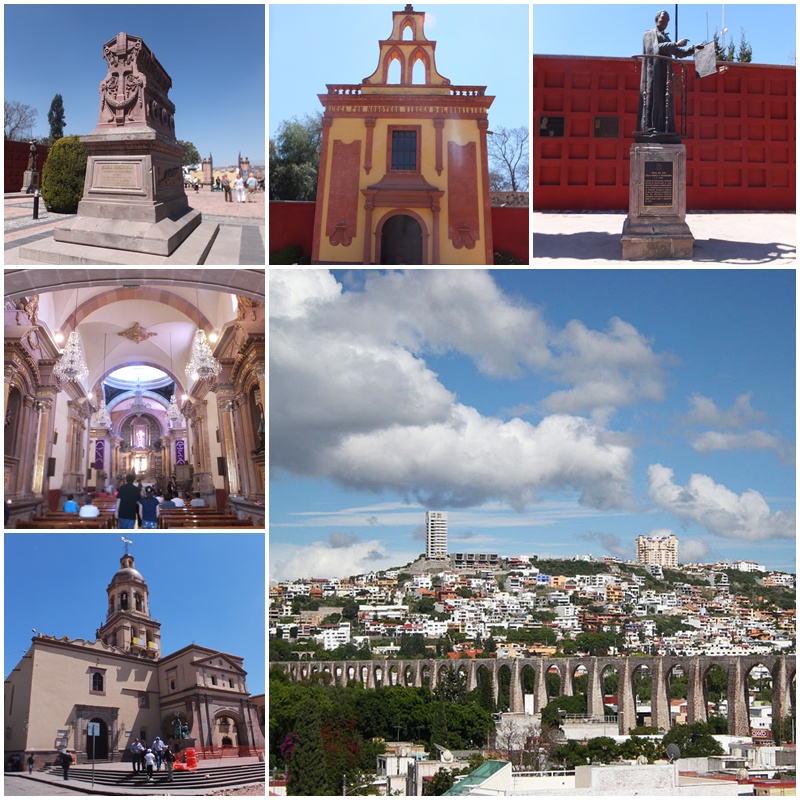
(123, 682)
(404, 175)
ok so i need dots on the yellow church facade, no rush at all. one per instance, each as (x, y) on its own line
(403, 175)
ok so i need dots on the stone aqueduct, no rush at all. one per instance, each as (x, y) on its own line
(372, 674)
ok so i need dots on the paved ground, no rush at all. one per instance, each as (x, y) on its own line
(25, 787)
(737, 239)
(240, 240)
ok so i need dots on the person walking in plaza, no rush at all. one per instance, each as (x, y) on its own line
(169, 761)
(252, 187)
(127, 503)
(226, 188)
(148, 509)
(30, 764)
(66, 762)
(158, 751)
(134, 748)
(149, 760)
(239, 186)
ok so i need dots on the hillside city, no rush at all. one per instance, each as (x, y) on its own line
(487, 606)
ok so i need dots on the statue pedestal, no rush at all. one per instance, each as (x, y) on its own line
(655, 228)
(30, 181)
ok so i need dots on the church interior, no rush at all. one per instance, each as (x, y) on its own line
(153, 373)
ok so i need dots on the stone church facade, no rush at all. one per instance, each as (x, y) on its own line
(123, 682)
(404, 175)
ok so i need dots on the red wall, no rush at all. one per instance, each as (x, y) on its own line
(16, 162)
(292, 223)
(510, 230)
(740, 147)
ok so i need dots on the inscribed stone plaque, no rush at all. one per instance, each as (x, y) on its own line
(117, 176)
(658, 187)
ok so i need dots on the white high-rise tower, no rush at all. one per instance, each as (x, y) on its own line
(436, 534)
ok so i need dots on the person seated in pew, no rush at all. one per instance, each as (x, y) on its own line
(198, 501)
(169, 502)
(71, 507)
(178, 501)
(89, 510)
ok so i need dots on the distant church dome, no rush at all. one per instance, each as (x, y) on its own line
(127, 571)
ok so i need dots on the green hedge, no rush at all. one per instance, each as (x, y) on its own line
(63, 175)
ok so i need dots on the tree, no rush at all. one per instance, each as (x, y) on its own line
(439, 783)
(695, 740)
(294, 159)
(745, 49)
(308, 774)
(55, 116)
(18, 120)
(190, 154)
(63, 175)
(508, 157)
(439, 728)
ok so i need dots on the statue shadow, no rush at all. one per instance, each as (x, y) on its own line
(600, 245)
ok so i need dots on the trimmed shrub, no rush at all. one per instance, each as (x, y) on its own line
(291, 254)
(63, 176)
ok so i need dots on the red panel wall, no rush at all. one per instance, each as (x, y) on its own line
(510, 231)
(292, 223)
(16, 161)
(740, 143)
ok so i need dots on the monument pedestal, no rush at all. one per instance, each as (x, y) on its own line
(655, 228)
(133, 197)
(30, 181)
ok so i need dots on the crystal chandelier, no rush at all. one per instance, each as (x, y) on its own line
(138, 406)
(102, 419)
(71, 365)
(202, 364)
(173, 412)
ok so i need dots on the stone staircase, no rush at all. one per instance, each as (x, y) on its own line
(203, 779)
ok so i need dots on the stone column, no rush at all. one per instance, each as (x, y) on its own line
(44, 405)
(660, 714)
(516, 700)
(695, 693)
(227, 406)
(738, 714)
(540, 699)
(28, 450)
(8, 380)
(594, 689)
(626, 702)
(566, 678)
(472, 675)
(781, 705)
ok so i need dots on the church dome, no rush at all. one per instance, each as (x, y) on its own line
(127, 571)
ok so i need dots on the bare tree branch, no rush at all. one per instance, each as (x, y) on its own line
(508, 158)
(18, 120)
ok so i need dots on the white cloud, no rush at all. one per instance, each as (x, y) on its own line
(704, 412)
(717, 508)
(606, 370)
(351, 398)
(332, 559)
(712, 441)
(692, 551)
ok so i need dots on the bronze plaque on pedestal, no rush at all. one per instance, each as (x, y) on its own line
(658, 185)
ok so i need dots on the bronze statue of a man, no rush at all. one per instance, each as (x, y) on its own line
(656, 114)
(33, 157)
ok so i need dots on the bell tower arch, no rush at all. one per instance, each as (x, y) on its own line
(128, 624)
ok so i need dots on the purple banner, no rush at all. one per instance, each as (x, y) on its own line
(99, 454)
(180, 455)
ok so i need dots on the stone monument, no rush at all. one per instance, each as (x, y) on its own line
(134, 206)
(655, 227)
(30, 180)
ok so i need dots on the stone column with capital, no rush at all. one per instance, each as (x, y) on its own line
(226, 407)
(44, 405)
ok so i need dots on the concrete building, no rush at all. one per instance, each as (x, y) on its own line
(122, 681)
(436, 534)
(657, 550)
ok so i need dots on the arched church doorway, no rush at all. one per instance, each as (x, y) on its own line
(227, 731)
(100, 742)
(401, 240)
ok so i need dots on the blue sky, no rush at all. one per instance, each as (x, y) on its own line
(483, 45)
(213, 53)
(555, 412)
(616, 30)
(57, 584)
